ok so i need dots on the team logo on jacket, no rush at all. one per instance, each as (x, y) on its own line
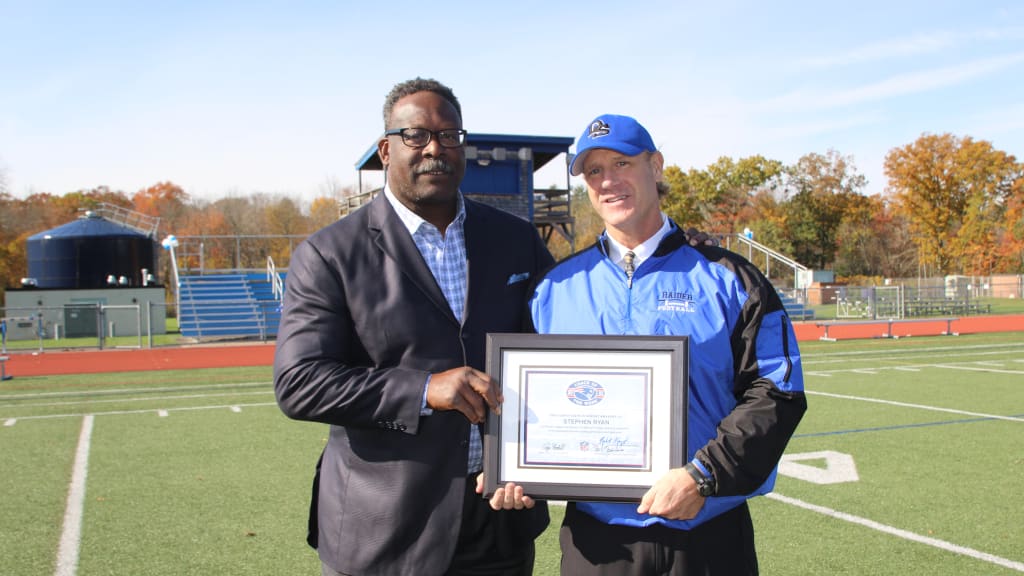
(584, 393)
(669, 301)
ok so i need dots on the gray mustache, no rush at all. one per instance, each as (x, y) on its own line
(436, 165)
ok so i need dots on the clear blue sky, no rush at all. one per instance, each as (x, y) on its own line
(284, 97)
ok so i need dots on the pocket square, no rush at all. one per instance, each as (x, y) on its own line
(518, 277)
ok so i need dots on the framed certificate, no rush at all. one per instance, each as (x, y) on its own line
(586, 417)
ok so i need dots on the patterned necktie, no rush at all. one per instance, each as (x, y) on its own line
(627, 260)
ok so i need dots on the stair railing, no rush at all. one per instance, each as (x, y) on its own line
(275, 279)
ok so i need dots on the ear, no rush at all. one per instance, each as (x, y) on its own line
(657, 164)
(384, 151)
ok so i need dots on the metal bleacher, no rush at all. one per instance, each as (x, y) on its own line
(794, 309)
(217, 306)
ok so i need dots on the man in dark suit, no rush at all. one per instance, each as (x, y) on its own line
(382, 336)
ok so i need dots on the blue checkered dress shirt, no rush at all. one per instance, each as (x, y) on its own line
(446, 258)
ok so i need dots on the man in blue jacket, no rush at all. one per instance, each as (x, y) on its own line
(643, 277)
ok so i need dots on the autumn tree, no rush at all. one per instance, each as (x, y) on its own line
(954, 192)
(587, 225)
(681, 202)
(236, 216)
(1010, 242)
(874, 240)
(283, 217)
(769, 221)
(7, 236)
(164, 200)
(323, 210)
(822, 189)
(720, 197)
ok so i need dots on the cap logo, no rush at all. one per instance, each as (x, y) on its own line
(599, 128)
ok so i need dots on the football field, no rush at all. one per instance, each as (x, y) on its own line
(910, 460)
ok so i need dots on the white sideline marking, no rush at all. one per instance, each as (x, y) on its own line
(921, 406)
(935, 542)
(236, 409)
(123, 391)
(161, 413)
(71, 535)
(907, 369)
(10, 422)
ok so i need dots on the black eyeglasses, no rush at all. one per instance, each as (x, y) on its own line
(420, 137)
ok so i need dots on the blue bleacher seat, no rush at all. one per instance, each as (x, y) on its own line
(796, 310)
(227, 306)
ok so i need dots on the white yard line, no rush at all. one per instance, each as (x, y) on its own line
(935, 542)
(142, 411)
(817, 362)
(978, 369)
(944, 350)
(140, 399)
(71, 535)
(977, 366)
(919, 406)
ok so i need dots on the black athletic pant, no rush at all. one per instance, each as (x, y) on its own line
(722, 546)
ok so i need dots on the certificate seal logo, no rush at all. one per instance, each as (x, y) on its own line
(584, 393)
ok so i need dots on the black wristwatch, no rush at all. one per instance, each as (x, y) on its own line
(706, 484)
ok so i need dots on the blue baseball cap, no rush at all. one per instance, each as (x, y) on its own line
(620, 133)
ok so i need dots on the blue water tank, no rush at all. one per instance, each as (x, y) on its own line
(87, 252)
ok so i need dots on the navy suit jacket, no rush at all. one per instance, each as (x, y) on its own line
(364, 323)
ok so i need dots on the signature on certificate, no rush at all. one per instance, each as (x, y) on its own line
(606, 444)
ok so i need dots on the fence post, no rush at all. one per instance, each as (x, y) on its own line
(138, 324)
(39, 328)
(100, 324)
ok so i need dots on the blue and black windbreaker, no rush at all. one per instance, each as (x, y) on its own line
(746, 383)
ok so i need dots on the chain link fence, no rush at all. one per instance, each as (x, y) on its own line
(92, 325)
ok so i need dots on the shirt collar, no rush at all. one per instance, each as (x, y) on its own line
(643, 251)
(412, 221)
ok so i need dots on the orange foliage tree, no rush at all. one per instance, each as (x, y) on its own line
(954, 192)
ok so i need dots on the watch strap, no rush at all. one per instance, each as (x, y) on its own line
(705, 482)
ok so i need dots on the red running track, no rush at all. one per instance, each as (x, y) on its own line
(262, 354)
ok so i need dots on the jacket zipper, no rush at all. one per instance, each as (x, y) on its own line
(785, 348)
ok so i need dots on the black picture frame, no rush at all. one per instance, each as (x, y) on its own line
(538, 446)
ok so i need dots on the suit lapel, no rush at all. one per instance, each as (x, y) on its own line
(476, 256)
(390, 235)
